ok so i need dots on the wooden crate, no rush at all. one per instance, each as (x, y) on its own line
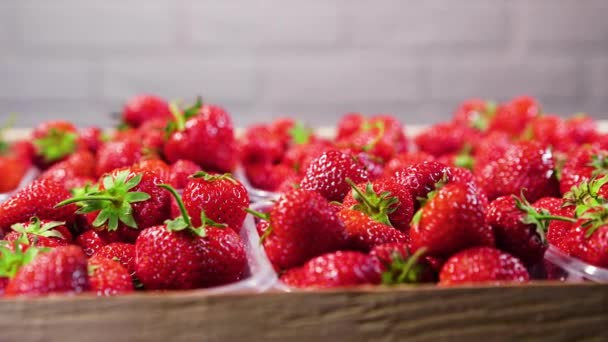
(536, 311)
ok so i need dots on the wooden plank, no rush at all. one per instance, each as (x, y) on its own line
(538, 311)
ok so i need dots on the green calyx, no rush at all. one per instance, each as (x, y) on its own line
(181, 116)
(585, 195)
(212, 178)
(367, 126)
(404, 271)
(481, 120)
(184, 222)
(540, 219)
(4, 145)
(424, 200)
(300, 134)
(599, 162)
(114, 202)
(263, 217)
(464, 158)
(56, 145)
(377, 206)
(594, 218)
(36, 228)
(11, 260)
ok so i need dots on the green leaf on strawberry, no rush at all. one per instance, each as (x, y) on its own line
(56, 145)
(300, 134)
(404, 271)
(11, 260)
(36, 228)
(114, 202)
(540, 219)
(377, 206)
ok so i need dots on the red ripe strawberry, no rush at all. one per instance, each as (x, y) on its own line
(181, 170)
(371, 163)
(90, 242)
(306, 224)
(157, 166)
(519, 228)
(488, 148)
(348, 125)
(191, 257)
(336, 269)
(204, 135)
(283, 128)
(372, 138)
(363, 233)
(22, 150)
(282, 253)
(420, 179)
(475, 113)
(588, 238)
(549, 130)
(482, 264)
(453, 218)
(81, 164)
(444, 138)
(525, 165)
(145, 107)
(91, 138)
(384, 201)
(12, 171)
(261, 145)
(327, 175)
(298, 157)
(54, 140)
(108, 277)
(13, 256)
(37, 199)
(151, 134)
(398, 266)
(268, 177)
(40, 233)
(557, 229)
(117, 154)
(220, 197)
(513, 117)
(404, 160)
(61, 270)
(124, 253)
(582, 164)
(582, 129)
(126, 198)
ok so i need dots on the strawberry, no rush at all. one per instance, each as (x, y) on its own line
(122, 252)
(519, 228)
(327, 175)
(404, 160)
(108, 277)
(397, 266)
(37, 199)
(444, 138)
(181, 170)
(453, 218)
(482, 264)
(338, 269)
(260, 145)
(12, 171)
(582, 164)
(116, 154)
(191, 257)
(363, 233)
(488, 148)
(54, 140)
(91, 138)
(220, 197)
(125, 198)
(348, 125)
(582, 129)
(22, 150)
(420, 179)
(549, 130)
(524, 165)
(40, 233)
(142, 108)
(268, 177)
(204, 135)
(513, 117)
(384, 201)
(305, 224)
(61, 270)
(475, 113)
(90, 241)
(156, 166)
(81, 164)
(13, 256)
(588, 238)
(373, 138)
(298, 157)
(557, 229)
(282, 253)
(151, 134)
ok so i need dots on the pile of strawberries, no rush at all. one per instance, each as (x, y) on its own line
(153, 205)
(477, 200)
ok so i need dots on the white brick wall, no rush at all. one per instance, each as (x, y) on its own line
(80, 59)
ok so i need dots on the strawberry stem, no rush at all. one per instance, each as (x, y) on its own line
(113, 199)
(260, 215)
(180, 121)
(411, 261)
(180, 203)
(212, 178)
